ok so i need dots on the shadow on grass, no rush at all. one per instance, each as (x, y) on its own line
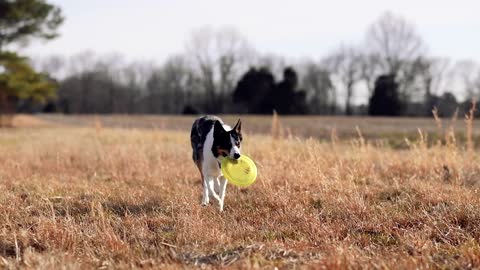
(10, 248)
(122, 208)
(82, 206)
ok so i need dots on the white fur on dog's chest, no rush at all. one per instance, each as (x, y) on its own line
(210, 163)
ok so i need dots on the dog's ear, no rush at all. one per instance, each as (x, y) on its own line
(238, 126)
(218, 129)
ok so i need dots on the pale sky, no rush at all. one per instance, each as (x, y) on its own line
(154, 29)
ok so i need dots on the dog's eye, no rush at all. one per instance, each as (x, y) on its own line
(237, 143)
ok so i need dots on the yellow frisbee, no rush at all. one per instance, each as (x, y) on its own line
(241, 172)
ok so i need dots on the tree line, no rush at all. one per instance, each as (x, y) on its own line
(219, 71)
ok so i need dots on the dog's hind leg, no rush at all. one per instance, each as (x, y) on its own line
(205, 199)
(223, 190)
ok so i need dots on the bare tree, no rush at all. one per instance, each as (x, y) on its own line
(274, 63)
(103, 84)
(315, 79)
(346, 66)
(53, 65)
(135, 77)
(394, 41)
(467, 75)
(432, 75)
(218, 57)
(370, 70)
(81, 62)
(169, 87)
(395, 46)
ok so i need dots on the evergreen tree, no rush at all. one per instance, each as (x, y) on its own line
(20, 21)
(385, 100)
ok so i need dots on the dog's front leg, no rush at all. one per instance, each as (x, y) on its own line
(211, 187)
(217, 185)
(223, 189)
(205, 199)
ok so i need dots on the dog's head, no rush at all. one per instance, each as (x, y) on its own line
(227, 143)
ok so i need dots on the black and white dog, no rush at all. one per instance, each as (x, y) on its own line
(211, 141)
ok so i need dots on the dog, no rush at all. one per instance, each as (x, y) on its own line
(211, 141)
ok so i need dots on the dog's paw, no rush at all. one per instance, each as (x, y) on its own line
(204, 204)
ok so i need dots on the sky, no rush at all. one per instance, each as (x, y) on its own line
(155, 29)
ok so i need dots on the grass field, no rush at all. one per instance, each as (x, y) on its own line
(83, 192)
(390, 131)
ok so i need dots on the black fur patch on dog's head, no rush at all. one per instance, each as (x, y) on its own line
(222, 139)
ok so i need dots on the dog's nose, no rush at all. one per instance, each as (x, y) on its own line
(236, 156)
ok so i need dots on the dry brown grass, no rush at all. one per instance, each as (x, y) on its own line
(314, 126)
(23, 120)
(77, 198)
